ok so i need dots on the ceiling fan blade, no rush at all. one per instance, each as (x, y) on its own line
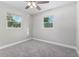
(27, 7)
(38, 8)
(42, 2)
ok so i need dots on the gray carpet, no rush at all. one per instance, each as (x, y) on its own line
(34, 48)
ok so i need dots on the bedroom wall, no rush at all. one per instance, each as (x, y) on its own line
(64, 25)
(10, 35)
(77, 26)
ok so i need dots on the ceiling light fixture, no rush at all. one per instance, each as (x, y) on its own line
(31, 6)
(34, 4)
(29, 3)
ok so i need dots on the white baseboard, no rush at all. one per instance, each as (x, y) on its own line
(56, 43)
(14, 43)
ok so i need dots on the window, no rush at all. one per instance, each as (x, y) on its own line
(13, 21)
(48, 22)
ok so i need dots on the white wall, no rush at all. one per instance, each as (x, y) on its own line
(78, 26)
(10, 35)
(64, 30)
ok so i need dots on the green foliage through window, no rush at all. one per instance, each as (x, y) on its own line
(13, 21)
(48, 22)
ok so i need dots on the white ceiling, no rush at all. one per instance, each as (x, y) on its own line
(22, 4)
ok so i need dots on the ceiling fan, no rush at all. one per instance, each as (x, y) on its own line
(34, 4)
